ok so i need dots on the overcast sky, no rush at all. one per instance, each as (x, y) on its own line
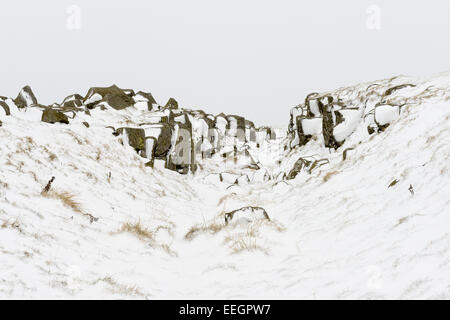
(253, 58)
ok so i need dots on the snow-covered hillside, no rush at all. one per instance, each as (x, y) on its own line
(350, 200)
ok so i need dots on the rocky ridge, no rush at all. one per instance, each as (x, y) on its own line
(230, 148)
(167, 133)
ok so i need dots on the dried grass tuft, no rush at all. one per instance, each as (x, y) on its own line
(68, 199)
(198, 229)
(148, 235)
(329, 175)
(137, 229)
(120, 288)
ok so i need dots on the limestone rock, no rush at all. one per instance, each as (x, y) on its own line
(297, 168)
(171, 104)
(72, 102)
(164, 141)
(54, 116)
(117, 98)
(144, 101)
(25, 98)
(144, 96)
(135, 137)
(5, 108)
(328, 124)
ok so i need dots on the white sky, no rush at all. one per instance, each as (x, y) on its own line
(253, 58)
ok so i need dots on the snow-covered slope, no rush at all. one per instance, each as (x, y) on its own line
(375, 225)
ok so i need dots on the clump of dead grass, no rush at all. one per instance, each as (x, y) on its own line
(52, 156)
(198, 229)
(328, 176)
(246, 244)
(246, 241)
(75, 137)
(14, 224)
(219, 223)
(137, 229)
(225, 198)
(148, 235)
(91, 176)
(68, 199)
(120, 288)
(239, 237)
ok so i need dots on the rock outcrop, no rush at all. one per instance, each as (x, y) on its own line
(183, 139)
(114, 96)
(25, 98)
(54, 116)
(334, 116)
(171, 104)
(186, 141)
(180, 138)
(350, 114)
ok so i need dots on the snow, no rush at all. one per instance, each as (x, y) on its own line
(141, 105)
(12, 107)
(72, 97)
(312, 126)
(351, 122)
(221, 124)
(94, 98)
(339, 232)
(385, 114)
